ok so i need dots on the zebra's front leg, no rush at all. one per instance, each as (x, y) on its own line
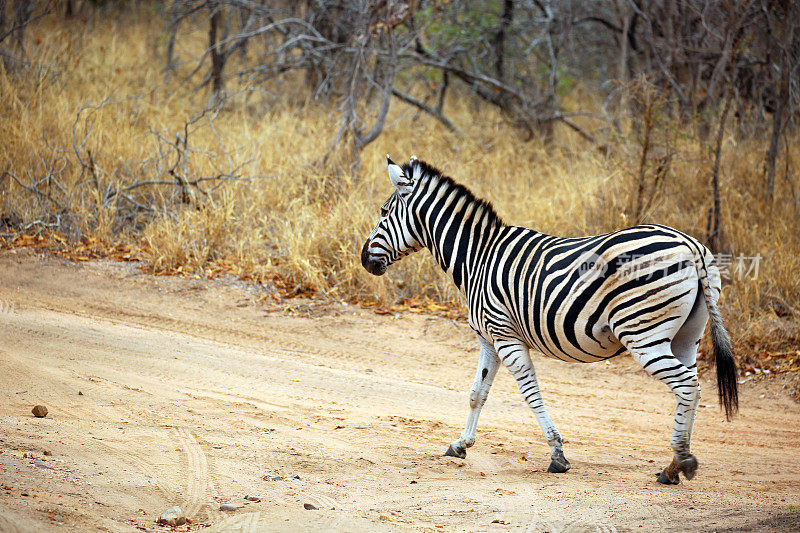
(484, 376)
(514, 354)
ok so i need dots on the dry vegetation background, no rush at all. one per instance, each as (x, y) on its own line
(103, 154)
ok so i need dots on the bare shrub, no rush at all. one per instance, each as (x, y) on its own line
(107, 149)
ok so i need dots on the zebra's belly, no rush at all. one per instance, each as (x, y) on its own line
(604, 345)
(571, 354)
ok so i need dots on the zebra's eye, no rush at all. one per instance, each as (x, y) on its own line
(384, 212)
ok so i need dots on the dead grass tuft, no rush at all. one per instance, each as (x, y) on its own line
(295, 221)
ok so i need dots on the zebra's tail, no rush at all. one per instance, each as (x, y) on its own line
(727, 386)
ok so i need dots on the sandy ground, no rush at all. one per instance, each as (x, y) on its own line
(169, 391)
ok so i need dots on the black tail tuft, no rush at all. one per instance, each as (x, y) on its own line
(727, 385)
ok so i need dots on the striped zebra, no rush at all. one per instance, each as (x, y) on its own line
(649, 290)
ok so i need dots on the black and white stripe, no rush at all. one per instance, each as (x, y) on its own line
(648, 289)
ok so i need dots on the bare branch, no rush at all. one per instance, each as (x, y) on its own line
(434, 112)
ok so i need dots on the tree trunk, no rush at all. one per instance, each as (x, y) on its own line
(22, 15)
(780, 111)
(173, 33)
(500, 37)
(217, 57)
(715, 233)
(2, 17)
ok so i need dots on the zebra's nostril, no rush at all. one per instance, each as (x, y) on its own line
(365, 254)
(371, 264)
(375, 267)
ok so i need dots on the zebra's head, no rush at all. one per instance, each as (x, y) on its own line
(393, 237)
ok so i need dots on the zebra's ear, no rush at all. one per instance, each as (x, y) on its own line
(398, 178)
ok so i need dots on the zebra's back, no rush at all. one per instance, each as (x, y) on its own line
(571, 298)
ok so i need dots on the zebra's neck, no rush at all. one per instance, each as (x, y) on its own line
(455, 226)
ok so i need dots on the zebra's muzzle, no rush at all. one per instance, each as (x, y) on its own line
(373, 265)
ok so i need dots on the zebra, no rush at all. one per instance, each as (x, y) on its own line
(648, 289)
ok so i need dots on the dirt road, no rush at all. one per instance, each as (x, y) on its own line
(169, 391)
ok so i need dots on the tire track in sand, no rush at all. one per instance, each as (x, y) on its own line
(7, 525)
(199, 487)
(241, 523)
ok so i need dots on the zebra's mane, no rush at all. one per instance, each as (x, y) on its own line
(421, 170)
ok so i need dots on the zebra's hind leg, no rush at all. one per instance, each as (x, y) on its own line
(484, 376)
(663, 339)
(684, 346)
(660, 362)
(514, 355)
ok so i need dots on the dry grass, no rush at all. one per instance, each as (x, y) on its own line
(294, 220)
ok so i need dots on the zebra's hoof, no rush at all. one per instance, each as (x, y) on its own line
(689, 466)
(665, 479)
(456, 451)
(557, 467)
